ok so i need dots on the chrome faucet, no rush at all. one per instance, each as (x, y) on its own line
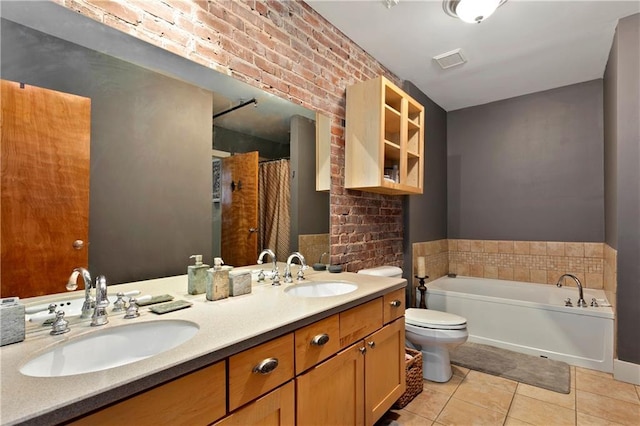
(581, 302)
(72, 284)
(287, 270)
(275, 278)
(96, 309)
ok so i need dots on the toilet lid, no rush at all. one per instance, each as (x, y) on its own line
(429, 318)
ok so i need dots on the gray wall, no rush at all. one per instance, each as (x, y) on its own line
(150, 193)
(235, 142)
(425, 216)
(622, 155)
(309, 208)
(528, 168)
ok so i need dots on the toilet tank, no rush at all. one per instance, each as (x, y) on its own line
(383, 271)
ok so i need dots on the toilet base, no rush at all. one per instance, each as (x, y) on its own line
(436, 364)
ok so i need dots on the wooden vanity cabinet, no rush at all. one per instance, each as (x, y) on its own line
(274, 409)
(384, 130)
(199, 398)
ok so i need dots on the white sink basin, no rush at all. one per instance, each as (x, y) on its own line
(112, 347)
(321, 289)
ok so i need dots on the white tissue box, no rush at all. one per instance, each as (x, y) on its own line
(11, 321)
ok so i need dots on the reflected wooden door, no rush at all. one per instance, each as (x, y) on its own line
(45, 139)
(239, 209)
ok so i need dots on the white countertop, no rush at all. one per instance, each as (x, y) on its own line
(226, 326)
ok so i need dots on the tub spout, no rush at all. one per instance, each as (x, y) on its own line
(581, 302)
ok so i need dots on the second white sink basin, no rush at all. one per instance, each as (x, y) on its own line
(109, 348)
(321, 288)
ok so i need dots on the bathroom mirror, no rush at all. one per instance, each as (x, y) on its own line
(154, 139)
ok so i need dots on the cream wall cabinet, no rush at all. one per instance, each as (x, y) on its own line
(384, 136)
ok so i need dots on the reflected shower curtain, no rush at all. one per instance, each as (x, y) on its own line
(274, 197)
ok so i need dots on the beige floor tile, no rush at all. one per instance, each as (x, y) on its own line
(573, 375)
(594, 372)
(484, 394)
(459, 371)
(515, 422)
(638, 391)
(458, 412)
(403, 417)
(495, 381)
(538, 412)
(561, 399)
(610, 409)
(587, 420)
(428, 403)
(449, 387)
(606, 386)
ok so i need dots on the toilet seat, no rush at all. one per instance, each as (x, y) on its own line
(428, 318)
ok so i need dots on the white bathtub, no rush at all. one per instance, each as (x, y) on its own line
(530, 318)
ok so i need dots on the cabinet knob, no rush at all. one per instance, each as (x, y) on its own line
(363, 350)
(78, 244)
(266, 366)
(371, 344)
(320, 339)
(395, 303)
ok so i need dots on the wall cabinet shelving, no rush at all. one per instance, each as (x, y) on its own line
(384, 139)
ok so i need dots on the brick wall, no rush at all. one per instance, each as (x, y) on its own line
(285, 48)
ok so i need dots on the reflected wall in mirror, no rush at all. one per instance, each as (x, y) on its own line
(152, 135)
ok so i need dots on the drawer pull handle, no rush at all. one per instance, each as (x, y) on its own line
(320, 339)
(372, 344)
(395, 303)
(266, 366)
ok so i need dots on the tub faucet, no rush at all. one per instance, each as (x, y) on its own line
(287, 270)
(276, 274)
(581, 302)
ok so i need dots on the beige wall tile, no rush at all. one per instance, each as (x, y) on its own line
(538, 276)
(506, 247)
(505, 273)
(490, 247)
(555, 248)
(463, 269)
(594, 280)
(476, 270)
(464, 245)
(443, 246)
(521, 247)
(521, 274)
(477, 246)
(453, 268)
(593, 250)
(490, 271)
(453, 245)
(574, 249)
(538, 247)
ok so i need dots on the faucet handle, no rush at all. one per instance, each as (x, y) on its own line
(594, 302)
(567, 302)
(60, 325)
(301, 274)
(261, 276)
(132, 309)
(276, 278)
(119, 304)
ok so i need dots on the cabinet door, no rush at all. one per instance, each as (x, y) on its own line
(274, 409)
(384, 370)
(332, 393)
(195, 399)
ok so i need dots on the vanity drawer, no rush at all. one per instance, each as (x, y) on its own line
(256, 371)
(195, 399)
(358, 322)
(394, 305)
(317, 342)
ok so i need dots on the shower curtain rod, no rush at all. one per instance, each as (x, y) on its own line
(244, 104)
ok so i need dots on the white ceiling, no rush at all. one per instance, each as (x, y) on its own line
(526, 46)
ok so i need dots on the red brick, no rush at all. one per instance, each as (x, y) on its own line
(119, 10)
(156, 8)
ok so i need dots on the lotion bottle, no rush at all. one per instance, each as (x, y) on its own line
(218, 280)
(197, 275)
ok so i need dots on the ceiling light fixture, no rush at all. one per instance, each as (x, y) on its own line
(471, 11)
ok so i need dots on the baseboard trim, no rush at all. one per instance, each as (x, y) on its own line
(626, 371)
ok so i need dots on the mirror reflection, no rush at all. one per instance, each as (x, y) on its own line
(164, 183)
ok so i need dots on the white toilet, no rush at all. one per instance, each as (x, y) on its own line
(432, 332)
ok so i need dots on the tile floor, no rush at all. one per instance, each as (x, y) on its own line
(474, 398)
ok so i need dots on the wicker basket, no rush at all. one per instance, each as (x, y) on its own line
(414, 379)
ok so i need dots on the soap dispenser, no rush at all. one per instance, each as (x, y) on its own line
(197, 275)
(218, 280)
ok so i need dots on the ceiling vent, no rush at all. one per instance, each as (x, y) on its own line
(450, 59)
